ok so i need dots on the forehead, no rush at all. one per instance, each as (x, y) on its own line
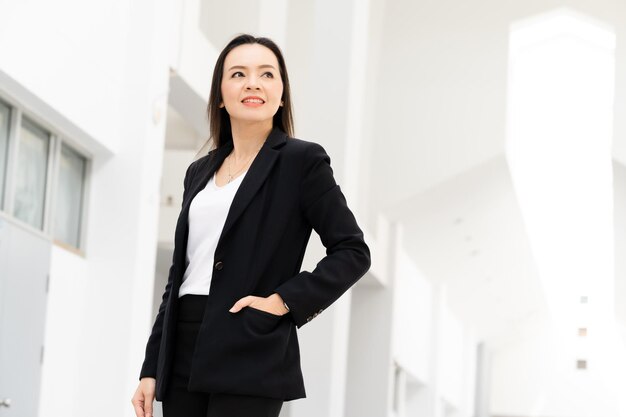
(250, 55)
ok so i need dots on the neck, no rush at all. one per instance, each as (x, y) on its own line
(248, 138)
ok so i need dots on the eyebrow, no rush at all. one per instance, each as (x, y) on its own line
(243, 67)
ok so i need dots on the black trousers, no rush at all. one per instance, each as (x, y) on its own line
(179, 402)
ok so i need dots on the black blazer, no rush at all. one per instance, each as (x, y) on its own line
(288, 191)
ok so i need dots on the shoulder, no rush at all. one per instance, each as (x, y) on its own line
(301, 145)
(306, 151)
(316, 173)
(202, 161)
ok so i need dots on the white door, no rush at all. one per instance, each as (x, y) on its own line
(24, 266)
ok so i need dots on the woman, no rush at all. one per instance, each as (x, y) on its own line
(224, 342)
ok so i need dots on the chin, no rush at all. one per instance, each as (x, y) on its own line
(248, 119)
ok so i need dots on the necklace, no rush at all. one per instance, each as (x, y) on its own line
(230, 176)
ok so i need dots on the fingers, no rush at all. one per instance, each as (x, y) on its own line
(148, 406)
(242, 302)
(269, 304)
(138, 404)
(143, 409)
(138, 410)
(142, 402)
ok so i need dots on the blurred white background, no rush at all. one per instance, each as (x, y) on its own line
(481, 145)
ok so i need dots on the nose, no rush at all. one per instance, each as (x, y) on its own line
(252, 83)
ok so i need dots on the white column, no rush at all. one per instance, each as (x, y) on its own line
(619, 208)
(483, 379)
(152, 66)
(324, 49)
(435, 406)
(370, 388)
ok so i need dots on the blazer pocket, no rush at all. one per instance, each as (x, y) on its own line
(260, 321)
(264, 312)
(249, 353)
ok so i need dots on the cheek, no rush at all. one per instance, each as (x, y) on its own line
(278, 91)
(228, 91)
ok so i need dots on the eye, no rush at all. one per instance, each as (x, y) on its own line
(271, 75)
(235, 73)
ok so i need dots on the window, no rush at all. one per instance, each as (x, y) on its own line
(5, 114)
(69, 196)
(42, 178)
(31, 174)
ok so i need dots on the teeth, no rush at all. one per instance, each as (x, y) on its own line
(253, 100)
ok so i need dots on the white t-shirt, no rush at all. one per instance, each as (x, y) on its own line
(207, 215)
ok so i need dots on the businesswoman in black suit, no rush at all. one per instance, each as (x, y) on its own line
(224, 342)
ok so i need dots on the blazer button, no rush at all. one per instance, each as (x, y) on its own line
(308, 318)
(219, 265)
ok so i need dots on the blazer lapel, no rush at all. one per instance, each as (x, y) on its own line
(255, 177)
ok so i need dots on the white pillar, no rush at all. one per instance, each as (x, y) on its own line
(325, 46)
(370, 388)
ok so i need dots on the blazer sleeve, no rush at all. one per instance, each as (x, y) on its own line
(149, 367)
(347, 255)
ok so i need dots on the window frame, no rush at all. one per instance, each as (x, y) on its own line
(17, 114)
(58, 145)
(4, 193)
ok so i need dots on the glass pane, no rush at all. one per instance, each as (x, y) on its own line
(5, 114)
(30, 181)
(69, 196)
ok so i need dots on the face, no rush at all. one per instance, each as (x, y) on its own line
(251, 84)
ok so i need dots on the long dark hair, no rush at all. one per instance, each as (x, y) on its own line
(219, 120)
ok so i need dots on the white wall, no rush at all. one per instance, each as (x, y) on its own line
(456, 361)
(441, 104)
(74, 65)
(533, 377)
(413, 318)
(99, 67)
(440, 100)
(204, 27)
(175, 163)
(619, 209)
(435, 349)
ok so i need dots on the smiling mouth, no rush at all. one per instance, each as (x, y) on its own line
(253, 100)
